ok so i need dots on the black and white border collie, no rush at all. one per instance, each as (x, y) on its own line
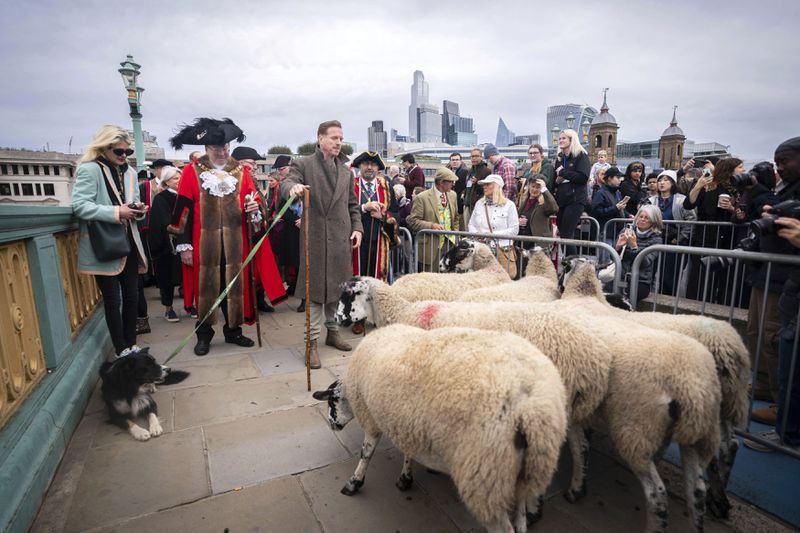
(128, 382)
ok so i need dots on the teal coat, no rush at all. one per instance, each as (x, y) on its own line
(90, 201)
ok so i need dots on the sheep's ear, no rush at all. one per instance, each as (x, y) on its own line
(322, 395)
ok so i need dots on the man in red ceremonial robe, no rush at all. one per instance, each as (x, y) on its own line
(218, 195)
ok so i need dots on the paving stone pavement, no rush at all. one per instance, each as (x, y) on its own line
(246, 448)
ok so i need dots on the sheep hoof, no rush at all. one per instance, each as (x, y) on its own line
(404, 482)
(720, 507)
(352, 487)
(573, 496)
(532, 518)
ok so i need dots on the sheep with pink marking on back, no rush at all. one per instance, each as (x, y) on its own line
(488, 410)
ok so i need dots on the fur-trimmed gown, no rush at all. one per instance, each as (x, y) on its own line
(218, 220)
(378, 233)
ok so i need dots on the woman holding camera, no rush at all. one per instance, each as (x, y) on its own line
(536, 204)
(645, 232)
(495, 214)
(106, 195)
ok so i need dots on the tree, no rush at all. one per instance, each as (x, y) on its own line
(306, 148)
(347, 149)
(279, 149)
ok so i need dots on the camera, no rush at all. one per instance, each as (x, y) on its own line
(741, 181)
(766, 226)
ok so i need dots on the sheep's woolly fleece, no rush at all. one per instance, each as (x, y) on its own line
(460, 398)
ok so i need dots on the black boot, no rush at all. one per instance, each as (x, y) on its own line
(302, 307)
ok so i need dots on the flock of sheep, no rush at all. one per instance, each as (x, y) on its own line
(477, 382)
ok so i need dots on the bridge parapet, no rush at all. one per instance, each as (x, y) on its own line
(52, 340)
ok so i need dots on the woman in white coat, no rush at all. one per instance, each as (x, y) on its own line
(495, 214)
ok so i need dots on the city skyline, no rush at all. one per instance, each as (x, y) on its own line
(281, 83)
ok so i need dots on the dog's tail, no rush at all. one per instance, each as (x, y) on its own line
(175, 376)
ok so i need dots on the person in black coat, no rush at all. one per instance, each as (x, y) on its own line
(631, 186)
(572, 176)
(162, 250)
(607, 202)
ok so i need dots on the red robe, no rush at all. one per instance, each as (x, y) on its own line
(190, 198)
(381, 246)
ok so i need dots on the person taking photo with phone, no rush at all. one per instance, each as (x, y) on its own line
(106, 200)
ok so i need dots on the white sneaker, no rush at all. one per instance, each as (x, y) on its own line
(771, 437)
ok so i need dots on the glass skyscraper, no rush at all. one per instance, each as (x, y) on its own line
(505, 137)
(419, 97)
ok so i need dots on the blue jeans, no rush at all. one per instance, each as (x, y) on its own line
(786, 345)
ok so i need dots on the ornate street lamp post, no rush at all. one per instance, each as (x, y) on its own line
(570, 121)
(130, 74)
(554, 140)
(585, 125)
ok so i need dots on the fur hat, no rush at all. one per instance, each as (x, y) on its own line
(207, 131)
(369, 156)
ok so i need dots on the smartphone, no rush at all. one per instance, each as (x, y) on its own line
(626, 199)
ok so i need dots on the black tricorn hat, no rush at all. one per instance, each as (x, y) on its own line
(207, 131)
(245, 152)
(281, 161)
(369, 156)
(161, 163)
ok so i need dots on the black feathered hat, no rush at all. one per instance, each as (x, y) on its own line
(369, 156)
(207, 131)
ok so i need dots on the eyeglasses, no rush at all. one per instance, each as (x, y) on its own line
(533, 153)
(119, 152)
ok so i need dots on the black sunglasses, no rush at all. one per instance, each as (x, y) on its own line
(119, 152)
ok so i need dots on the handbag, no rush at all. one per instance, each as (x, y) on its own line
(109, 240)
(506, 256)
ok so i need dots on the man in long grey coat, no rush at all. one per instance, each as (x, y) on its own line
(334, 229)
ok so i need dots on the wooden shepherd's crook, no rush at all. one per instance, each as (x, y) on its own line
(308, 289)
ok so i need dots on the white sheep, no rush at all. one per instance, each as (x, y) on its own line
(487, 409)
(583, 362)
(485, 271)
(540, 283)
(682, 406)
(725, 345)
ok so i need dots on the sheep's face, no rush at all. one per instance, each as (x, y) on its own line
(354, 304)
(339, 411)
(459, 259)
(570, 266)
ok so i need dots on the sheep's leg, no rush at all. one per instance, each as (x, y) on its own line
(406, 479)
(357, 479)
(579, 448)
(719, 471)
(535, 506)
(694, 485)
(656, 495)
(519, 516)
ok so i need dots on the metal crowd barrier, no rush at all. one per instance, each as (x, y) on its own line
(430, 255)
(402, 256)
(681, 275)
(737, 257)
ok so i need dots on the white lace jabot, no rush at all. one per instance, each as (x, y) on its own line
(218, 182)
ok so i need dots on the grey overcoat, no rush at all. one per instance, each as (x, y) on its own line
(334, 214)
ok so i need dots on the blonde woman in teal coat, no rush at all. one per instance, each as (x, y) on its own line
(106, 191)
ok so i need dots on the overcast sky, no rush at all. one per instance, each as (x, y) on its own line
(280, 68)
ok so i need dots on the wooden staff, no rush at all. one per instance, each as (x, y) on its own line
(252, 278)
(308, 289)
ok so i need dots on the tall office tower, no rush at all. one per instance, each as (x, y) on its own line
(449, 121)
(419, 96)
(505, 136)
(429, 124)
(376, 138)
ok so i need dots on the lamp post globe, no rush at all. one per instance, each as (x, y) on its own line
(129, 70)
(554, 140)
(570, 121)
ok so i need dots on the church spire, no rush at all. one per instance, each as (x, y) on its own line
(674, 120)
(604, 108)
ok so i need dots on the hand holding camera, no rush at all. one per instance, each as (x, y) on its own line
(134, 210)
